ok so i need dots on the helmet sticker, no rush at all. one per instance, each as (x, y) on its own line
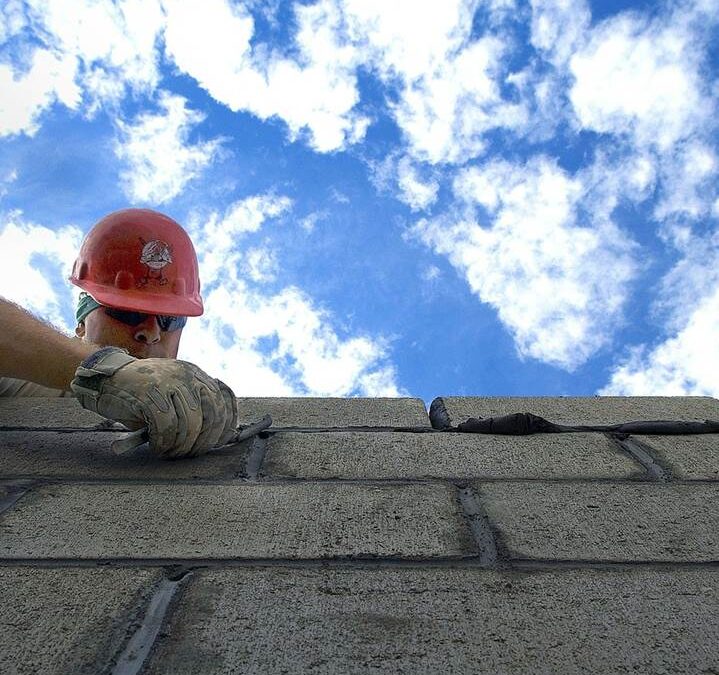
(155, 256)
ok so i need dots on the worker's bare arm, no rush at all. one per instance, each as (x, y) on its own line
(32, 350)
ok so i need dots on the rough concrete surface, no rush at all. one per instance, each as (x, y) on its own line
(441, 455)
(87, 455)
(335, 412)
(577, 410)
(49, 413)
(53, 413)
(308, 520)
(443, 621)
(67, 620)
(605, 520)
(688, 457)
(336, 550)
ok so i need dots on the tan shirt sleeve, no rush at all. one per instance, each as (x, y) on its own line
(9, 386)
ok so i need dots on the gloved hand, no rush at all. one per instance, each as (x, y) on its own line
(185, 411)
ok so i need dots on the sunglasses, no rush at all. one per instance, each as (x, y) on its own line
(166, 323)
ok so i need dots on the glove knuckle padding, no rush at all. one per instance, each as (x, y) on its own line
(180, 438)
(211, 431)
(186, 411)
(214, 413)
(230, 407)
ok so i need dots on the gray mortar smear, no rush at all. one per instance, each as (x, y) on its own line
(14, 491)
(137, 649)
(256, 457)
(479, 525)
(642, 453)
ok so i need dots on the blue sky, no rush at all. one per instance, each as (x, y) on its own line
(387, 198)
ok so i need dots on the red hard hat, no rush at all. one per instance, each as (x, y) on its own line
(140, 260)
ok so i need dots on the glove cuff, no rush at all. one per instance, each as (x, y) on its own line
(103, 363)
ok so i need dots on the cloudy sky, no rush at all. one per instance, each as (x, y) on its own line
(388, 197)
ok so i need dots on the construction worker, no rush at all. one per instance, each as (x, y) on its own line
(139, 277)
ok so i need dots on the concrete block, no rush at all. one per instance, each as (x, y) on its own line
(604, 520)
(442, 620)
(87, 455)
(335, 412)
(50, 413)
(693, 457)
(300, 520)
(67, 620)
(64, 413)
(385, 455)
(453, 410)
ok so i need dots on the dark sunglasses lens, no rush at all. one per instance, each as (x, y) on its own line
(170, 323)
(128, 318)
(166, 323)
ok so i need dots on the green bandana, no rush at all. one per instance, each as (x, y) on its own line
(85, 304)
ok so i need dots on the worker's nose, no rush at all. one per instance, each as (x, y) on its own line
(148, 331)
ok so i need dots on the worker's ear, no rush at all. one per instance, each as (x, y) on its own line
(80, 330)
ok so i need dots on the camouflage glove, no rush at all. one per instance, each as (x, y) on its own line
(185, 411)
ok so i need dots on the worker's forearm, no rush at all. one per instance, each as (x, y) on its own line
(32, 350)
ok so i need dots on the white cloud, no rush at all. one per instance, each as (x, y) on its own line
(210, 41)
(686, 364)
(408, 39)
(36, 262)
(114, 42)
(308, 357)
(260, 265)
(692, 279)
(309, 222)
(411, 182)
(449, 93)
(82, 55)
(689, 181)
(12, 19)
(558, 27)
(419, 194)
(643, 80)
(160, 159)
(640, 79)
(449, 86)
(278, 343)
(97, 50)
(686, 361)
(220, 235)
(431, 273)
(614, 178)
(558, 286)
(5, 181)
(446, 114)
(26, 95)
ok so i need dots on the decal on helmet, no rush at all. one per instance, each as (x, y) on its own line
(155, 256)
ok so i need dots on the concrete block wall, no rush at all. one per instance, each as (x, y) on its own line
(356, 536)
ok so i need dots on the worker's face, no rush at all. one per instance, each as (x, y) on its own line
(143, 341)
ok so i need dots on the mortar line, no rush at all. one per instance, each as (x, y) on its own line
(361, 428)
(188, 565)
(271, 430)
(100, 428)
(133, 657)
(642, 454)
(229, 481)
(256, 458)
(482, 533)
(17, 489)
